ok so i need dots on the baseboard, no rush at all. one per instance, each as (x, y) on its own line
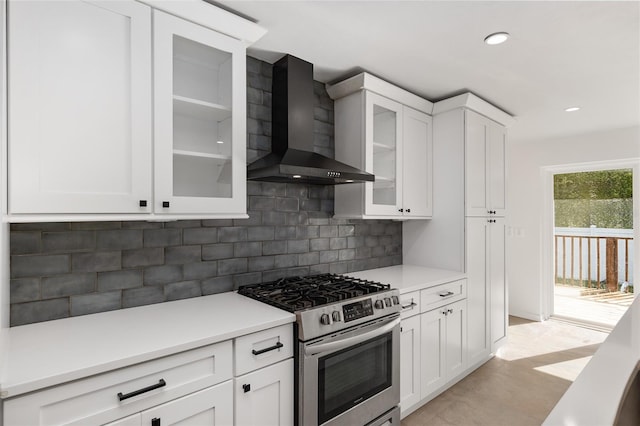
(526, 315)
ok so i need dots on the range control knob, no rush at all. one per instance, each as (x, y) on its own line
(387, 301)
(335, 316)
(395, 300)
(379, 304)
(324, 319)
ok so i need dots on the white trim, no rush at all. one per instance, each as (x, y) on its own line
(477, 104)
(366, 81)
(4, 228)
(210, 16)
(547, 220)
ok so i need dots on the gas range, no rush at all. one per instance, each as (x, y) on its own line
(327, 303)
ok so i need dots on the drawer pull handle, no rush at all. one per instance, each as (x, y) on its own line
(271, 348)
(246, 388)
(155, 421)
(409, 306)
(158, 385)
(447, 294)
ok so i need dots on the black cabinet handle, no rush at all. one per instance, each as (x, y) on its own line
(158, 385)
(447, 294)
(246, 388)
(143, 203)
(409, 306)
(408, 210)
(400, 210)
(155, 421)
(271, 348)
(165, 204)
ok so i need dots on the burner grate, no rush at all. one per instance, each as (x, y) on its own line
(299, 293)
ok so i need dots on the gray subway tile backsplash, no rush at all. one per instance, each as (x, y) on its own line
(66, 269)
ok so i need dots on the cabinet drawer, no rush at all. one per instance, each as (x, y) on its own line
(410, 303)
(96, 399)
(433, 297)
(263, 348)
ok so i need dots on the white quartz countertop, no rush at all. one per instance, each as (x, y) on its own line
(38, 355)
(593, 398)
(408, 278)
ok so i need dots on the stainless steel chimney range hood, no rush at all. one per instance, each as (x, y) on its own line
(292, 158)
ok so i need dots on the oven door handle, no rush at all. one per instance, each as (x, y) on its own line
(349, 341)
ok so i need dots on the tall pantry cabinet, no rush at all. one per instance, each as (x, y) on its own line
(468, 228)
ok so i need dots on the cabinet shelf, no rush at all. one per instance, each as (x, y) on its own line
(201, 155)
(200, 110)
(381, 148)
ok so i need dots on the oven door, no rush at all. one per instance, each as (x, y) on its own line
(351, 377)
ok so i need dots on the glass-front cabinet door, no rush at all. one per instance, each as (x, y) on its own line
(384, 143)
(200, 114)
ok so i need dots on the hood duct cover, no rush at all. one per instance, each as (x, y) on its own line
(292, 158)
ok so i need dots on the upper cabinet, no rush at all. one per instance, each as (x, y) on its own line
(486, 172)
(83, 139)
(200, 119)
(79, 129)
(386, 131)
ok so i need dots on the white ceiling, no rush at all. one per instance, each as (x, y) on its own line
(560, 54)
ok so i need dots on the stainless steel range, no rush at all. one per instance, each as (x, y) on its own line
(348, 333)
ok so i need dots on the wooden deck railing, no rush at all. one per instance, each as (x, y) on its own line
(579, 260)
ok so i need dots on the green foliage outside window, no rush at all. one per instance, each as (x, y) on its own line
(601, 198)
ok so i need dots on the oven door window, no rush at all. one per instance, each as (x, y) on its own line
(352, 375)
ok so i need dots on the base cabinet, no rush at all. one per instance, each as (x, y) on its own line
(433, 342)
(265, 396)
(212, 406)
(194, 387)
(410, 361)
(443, 333)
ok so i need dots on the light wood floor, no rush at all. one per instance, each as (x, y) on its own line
(519, 386)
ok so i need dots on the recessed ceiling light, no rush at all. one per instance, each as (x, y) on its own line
(572, 109)
(496, 38)
(220, 142)
(296, 176)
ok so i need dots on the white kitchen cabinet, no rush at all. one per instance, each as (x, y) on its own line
(433, 342)
(466, 232)
(82, 88)
(211, 406)
(193, 387)
(385, 131)
(487, 290)
(200, 119)
(410, 362)
(79, 130)
(114, 395)
(265, 396)
(485, 147)
(443, 345)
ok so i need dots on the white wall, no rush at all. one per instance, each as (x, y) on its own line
(529, 194)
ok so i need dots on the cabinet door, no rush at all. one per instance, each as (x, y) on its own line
(383, 132)
(417, 181)
(456, 335)
(476, 143)
(496, 169)
(200, 119)
(409, 362)
(477, 257)
(211, 406)
(498, 284)
(265, 397)
(432, 346)
(79, 101)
